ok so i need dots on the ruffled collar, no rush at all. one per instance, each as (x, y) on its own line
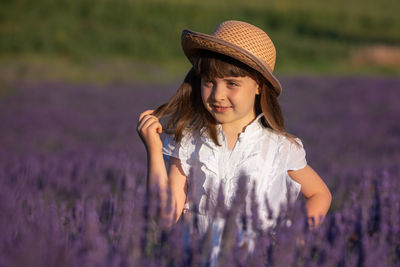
(253, 127)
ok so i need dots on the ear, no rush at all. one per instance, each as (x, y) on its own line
(258, 90)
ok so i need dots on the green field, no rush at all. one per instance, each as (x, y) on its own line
(120, 40)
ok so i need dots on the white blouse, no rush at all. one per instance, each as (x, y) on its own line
(260, 153)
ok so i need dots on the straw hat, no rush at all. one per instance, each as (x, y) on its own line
(239, 40)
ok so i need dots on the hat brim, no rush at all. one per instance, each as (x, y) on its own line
(194, 41)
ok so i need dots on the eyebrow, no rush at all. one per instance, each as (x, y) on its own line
(228, 79)
(232, 79)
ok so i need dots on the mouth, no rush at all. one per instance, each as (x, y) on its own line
(221, 109)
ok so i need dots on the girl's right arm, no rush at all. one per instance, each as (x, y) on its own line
(149, 129)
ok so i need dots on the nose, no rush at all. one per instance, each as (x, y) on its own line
(218, 92)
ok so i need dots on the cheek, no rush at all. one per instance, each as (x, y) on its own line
(238, 98)
(245, 101)
(205, 94)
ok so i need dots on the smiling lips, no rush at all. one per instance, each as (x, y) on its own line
(221, 109)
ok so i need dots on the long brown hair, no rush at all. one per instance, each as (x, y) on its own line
(185, 110)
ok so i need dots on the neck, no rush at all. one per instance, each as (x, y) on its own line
(233, 129)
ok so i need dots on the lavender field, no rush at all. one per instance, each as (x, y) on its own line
(72, 179)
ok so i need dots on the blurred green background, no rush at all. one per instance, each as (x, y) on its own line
(139, 40)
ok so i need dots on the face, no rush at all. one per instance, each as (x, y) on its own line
(230, 100)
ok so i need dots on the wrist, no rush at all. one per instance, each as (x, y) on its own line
(153, 146)
(154, 150)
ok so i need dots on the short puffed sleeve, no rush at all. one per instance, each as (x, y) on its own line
(170, 148)
(296, 158)
(177, 150)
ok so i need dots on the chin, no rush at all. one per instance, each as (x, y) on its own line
(221, 120)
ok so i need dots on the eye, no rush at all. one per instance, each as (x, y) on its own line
(232, 84)
(207, 83)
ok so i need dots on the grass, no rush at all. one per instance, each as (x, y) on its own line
(126, 39)
(36, 68)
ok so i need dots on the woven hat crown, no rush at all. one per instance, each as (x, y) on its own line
(248, 37)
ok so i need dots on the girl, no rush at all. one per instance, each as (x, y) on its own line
(226, 121)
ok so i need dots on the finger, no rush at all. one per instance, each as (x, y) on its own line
(143, 120)
(147, 117)
(156, 126)
(151, 128)
(159, 128)
(147, 122)
(147, 112)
